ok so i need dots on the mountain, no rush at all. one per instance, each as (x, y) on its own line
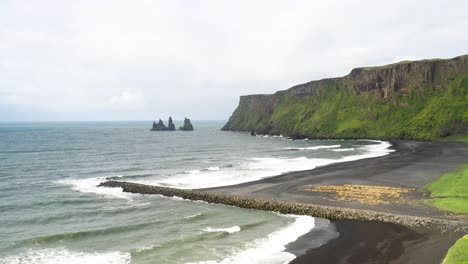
(425, 99)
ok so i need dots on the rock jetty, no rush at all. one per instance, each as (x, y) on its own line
(285, 207)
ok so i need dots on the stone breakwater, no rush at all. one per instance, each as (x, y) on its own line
(285, 207)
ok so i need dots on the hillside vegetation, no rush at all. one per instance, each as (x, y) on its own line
(413, 100)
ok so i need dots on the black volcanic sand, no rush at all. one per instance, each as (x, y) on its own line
(375, 242)
(413, 165)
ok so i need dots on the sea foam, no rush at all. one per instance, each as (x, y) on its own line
(89, 186)
(254, 169)
(315, 147)
(65, 256)
(230, 230)
(270, 249)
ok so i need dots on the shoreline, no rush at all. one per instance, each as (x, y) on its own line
(401, 226)
(379, 242)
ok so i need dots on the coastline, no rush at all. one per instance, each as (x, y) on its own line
(417, 232)
(378, 242)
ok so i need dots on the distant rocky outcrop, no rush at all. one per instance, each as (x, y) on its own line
(187, 125)
(159, 126)
(170, 125)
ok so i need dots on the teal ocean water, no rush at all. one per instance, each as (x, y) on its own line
(52, 212)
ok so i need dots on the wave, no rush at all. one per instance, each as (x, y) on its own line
(343, 149)
(195, 216)
(213, 168)
(86, 234)
(65, 256)
(314, 147)
(89, 185)
(230, 230)
(254, 169)
(270, 249)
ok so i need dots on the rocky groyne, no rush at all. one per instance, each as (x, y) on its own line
(285, 207)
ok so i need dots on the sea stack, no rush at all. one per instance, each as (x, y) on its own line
(159, 126)
(170, 125)
(187, 125)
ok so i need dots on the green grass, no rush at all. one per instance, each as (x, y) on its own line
(450, 192)
(458, 254)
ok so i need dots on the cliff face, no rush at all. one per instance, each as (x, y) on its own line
(425, 99)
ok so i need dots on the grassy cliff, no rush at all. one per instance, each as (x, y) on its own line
(415, 100)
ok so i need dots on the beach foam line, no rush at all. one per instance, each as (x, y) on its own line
(230, 230)
(65, 256)
(254, 169)
(314, 147)
(270, 249)
(343, 149)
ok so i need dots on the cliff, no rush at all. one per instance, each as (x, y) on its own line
(425, 99)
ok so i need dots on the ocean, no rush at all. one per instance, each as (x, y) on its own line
(52, 212)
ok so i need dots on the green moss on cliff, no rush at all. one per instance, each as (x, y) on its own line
(424, 100)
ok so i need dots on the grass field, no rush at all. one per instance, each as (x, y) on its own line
(458, 254)
(450, 192)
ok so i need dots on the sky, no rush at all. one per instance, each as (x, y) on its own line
(67, 60)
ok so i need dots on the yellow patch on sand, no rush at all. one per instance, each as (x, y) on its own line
(367, 194)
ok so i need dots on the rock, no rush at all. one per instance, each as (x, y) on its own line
(159, 126)
(252, 132)
(187, 125)
(170, 125)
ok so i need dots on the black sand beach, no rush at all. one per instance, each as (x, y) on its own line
(412, 166)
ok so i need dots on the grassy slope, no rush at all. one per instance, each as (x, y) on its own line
(450, 192)
(458, 254)
(426, 113)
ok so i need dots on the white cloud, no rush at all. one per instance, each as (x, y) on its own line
(128, 100)
(194, 58)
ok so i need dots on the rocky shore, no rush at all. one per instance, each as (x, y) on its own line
(285, 207)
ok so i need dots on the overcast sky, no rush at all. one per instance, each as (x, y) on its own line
(141, 60)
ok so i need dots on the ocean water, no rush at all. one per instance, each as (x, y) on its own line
(52, 212)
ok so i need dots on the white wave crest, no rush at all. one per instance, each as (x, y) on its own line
(90, 186)
(343, 149)
(271, 248)
(254, 169)
(64, 256)
(315, 147)
(230, 230)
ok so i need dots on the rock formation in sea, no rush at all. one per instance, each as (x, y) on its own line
(170, 125)
(187, 125)
(425, 99)
(159, 126)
